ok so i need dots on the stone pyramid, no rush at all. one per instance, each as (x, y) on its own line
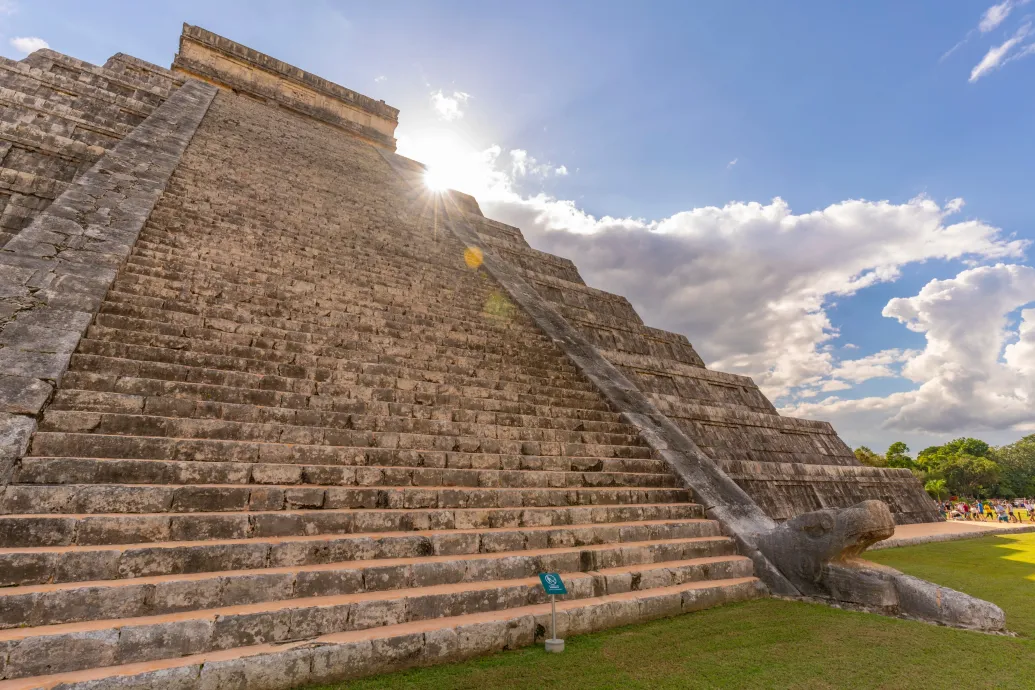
(272, 414)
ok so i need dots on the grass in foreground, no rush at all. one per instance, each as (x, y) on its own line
(781, 644)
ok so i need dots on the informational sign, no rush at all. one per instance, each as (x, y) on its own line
(552, 583)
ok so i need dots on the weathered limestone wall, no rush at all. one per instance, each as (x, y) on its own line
(55, 272)
(212, 58)
(58, 116)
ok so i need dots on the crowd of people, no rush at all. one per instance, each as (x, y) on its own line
(992, 509)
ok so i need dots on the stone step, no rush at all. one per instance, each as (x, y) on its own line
(433, 267)
(169, 236)
(61, 648)
(372, 414)
(19, 76)
(470, 334)
(93, 412)
(175, 429)
(386, 401)
(28, 499)
(312, 341)
(34, 138)
(348, 386)
(163, 272)
(73, 602)
(564, 473)
(61, 119)
(343, 367)
(349, 655)
(101, 77)
(66, 445)
(351, 345)
(31, 184)
(120, 547)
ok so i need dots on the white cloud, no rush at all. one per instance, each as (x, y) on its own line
(449, 107)
(970, 378)
(994, 16)
(877, 365)
(732, 163)
(8, 7)
(380, 78)
(995, 56)
(524, 165)
(28, 44)
(1021, 354)
(991, 19)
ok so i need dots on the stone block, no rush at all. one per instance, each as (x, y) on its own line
(34, 365)
(271, 671)
(164, 640)
(23, 396)
(177, 678)
(335, 662)
(40, 656)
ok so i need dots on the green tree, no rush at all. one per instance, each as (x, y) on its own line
(1017, 463)
(937, 488)
(897, 456)
(970, 475)
(867, 457)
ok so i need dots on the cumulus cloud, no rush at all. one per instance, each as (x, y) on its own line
(449, 107)
(28, 44)
(996, 56)
(878, 365)
(976, 372)
(561, 170)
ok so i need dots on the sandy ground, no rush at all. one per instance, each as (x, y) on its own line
(949, 531)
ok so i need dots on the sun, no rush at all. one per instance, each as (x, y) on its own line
(452, 161)
(436, 179)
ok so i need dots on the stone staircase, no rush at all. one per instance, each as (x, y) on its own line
(58, 115)
(306, 439)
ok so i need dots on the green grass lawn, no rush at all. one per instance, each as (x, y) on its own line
(781, 644)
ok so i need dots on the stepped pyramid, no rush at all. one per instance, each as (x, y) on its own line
(266, 419)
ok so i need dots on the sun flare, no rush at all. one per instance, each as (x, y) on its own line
(436, 179)
(452, 162)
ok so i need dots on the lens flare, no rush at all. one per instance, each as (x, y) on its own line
(473, 257)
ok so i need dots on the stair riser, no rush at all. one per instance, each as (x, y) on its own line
(97, 602)
(78, 445)
(334, 660)
(143, 560)
(332, 428)
(69, 471)
(144, 642)
(360, 413)
(71, 499)
(349, 400)
(507, 471)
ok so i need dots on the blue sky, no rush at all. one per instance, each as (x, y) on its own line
(677, 125)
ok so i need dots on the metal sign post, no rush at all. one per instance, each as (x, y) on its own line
(553, 585)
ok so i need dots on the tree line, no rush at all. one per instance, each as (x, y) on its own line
(964, 467)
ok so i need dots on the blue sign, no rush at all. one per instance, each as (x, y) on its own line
(552, 583)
